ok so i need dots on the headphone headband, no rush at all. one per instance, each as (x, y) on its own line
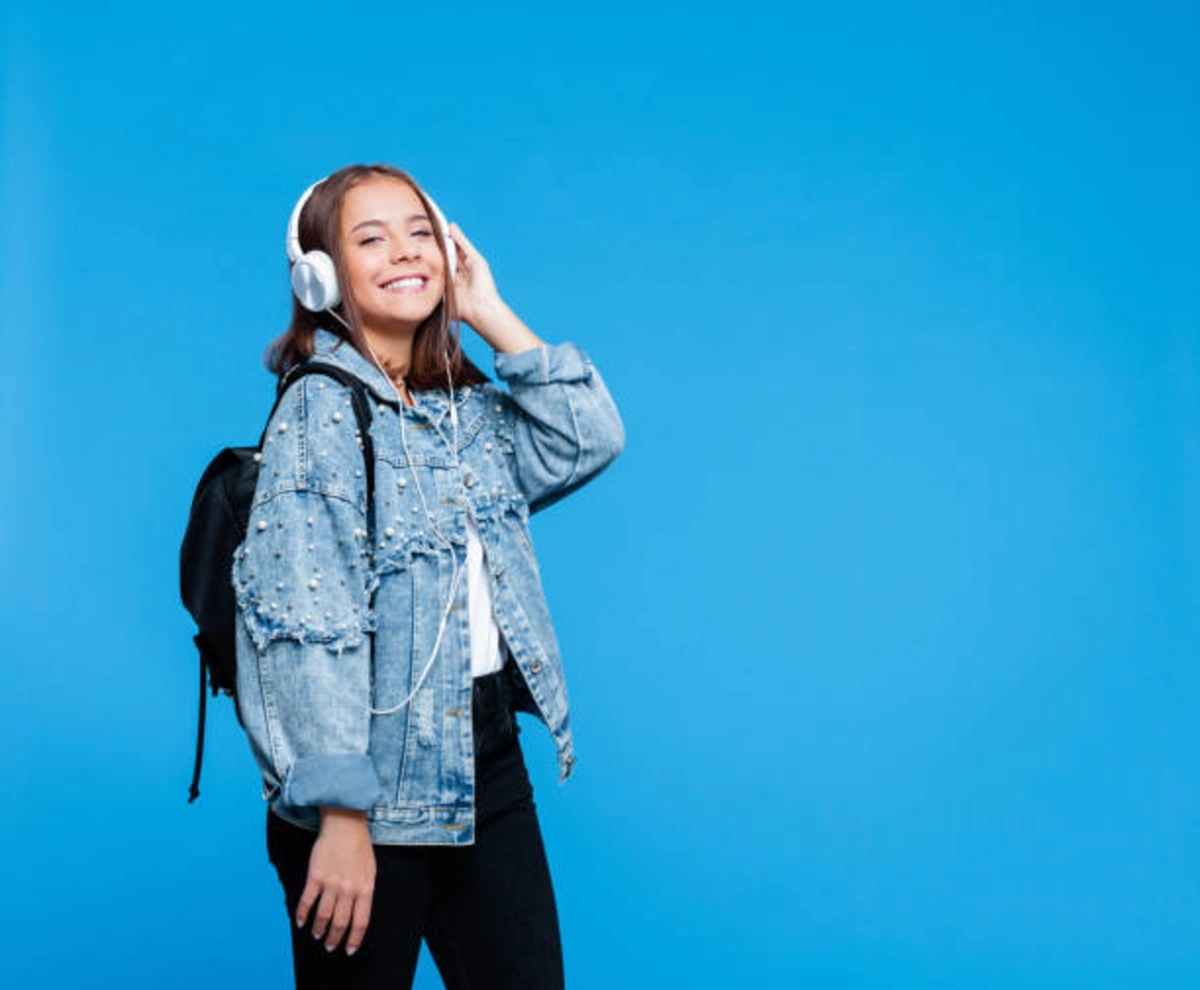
(293, 231)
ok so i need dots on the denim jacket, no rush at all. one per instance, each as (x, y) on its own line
(303, 579)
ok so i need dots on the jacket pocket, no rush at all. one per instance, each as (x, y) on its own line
(398, 546)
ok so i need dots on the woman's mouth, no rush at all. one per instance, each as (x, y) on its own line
(407, 284)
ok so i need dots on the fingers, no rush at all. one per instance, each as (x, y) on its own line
(324, 913)
(336, 906)
(338, 912)
(468, 249)
(362, 918)
(343, 910)
(312, 890)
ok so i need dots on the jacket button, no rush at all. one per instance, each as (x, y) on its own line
(536, 666)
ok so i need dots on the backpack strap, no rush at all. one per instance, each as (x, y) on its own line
(362, 413)
(194, 790)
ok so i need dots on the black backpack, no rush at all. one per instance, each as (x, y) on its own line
(217, 525)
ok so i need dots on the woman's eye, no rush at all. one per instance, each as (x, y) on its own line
(417, 233)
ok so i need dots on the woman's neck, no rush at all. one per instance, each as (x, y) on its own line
(394, 353)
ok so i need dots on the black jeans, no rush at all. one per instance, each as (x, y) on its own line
(487, 911)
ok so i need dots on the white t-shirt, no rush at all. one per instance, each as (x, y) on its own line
(485, 634)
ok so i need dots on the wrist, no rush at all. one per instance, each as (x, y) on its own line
(490, 313)
(339, 817)
(504, 330)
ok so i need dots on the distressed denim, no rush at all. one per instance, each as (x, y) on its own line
(304, 578)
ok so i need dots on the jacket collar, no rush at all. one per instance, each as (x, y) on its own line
(333, 349)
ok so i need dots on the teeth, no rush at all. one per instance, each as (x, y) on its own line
(405, 283)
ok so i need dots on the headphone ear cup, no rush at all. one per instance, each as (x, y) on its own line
(314, 280)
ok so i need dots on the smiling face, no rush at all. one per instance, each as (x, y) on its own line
(390, 252)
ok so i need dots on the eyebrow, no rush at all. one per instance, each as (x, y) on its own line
(383, 223)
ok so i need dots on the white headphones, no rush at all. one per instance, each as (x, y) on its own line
(314, 279)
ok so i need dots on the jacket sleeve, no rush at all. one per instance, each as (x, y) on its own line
(302, 581)
(566, 428)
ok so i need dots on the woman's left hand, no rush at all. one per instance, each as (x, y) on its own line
(474, 289)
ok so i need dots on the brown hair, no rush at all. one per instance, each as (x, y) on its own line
(436, 338)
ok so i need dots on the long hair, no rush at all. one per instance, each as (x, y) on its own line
(436, 340)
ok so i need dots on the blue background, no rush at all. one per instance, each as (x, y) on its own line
(882, 632)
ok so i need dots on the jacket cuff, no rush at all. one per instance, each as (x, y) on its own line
(339, 780)
(564, 362)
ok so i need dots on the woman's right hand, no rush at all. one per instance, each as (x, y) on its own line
(341, 879)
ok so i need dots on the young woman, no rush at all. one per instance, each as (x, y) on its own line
(378, 683)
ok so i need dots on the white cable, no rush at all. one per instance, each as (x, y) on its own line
(457, 569)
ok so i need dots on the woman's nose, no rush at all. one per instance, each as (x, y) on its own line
(407, 247)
